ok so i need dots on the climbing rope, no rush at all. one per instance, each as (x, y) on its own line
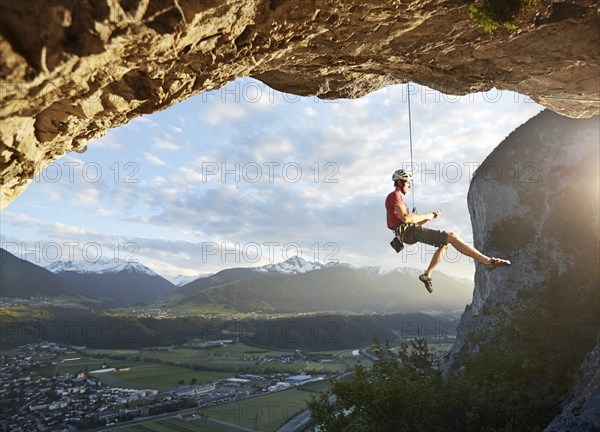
(414, 209)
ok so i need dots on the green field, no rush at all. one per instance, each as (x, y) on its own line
(189, 355)
(143, 375)
(316, 387)
(158, 377)
(86, 363)
(265, 413)
(320, 368)
(172, 424)
(149, 371)
(233, 358)
(241, 348)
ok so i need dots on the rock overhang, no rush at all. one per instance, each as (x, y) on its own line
(71, 70)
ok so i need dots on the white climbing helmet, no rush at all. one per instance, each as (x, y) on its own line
(401, 175)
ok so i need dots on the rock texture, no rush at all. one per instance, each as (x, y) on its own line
(535, 201)
(582, 414)
(71, 69)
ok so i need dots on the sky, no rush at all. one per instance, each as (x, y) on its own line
(246, 176)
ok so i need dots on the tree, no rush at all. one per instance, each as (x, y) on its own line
(398, 393)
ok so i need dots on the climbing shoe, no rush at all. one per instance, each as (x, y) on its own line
(427, 282)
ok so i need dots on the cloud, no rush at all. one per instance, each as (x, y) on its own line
(190, 175)
(310, 112)
(127, 195)
(165, 143)
(224, 113)
(275, 148)
(142, 121)
(19, 218)
(87, 198)
(107, 142)
(61, 228)
(154, 159)
(107, 213)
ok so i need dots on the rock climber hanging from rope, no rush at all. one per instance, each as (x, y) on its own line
(409, 229)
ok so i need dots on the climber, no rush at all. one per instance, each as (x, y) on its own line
(409, 229)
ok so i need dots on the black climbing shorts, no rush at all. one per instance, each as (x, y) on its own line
(418, 233)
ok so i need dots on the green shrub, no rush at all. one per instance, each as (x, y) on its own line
(492, 14)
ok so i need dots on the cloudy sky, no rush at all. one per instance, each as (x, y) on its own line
(247, 176)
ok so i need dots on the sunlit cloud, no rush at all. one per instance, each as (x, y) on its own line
(154, 159)
(165, 143)
(225, 113)
(106, 213)
(19, 218)
(61, 228)
(87, 198)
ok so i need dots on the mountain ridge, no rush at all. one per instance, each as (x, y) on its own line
(20, 278)
(326, 288)
(99, 266)
(293, 285)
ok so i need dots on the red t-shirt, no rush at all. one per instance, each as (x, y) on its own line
(394, 198)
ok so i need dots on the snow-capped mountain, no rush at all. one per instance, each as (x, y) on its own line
(118, 283)
(370, 271)
(100, 266)
(292, 265)
(181, 280)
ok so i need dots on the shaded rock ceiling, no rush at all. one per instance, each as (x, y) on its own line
(72, 69)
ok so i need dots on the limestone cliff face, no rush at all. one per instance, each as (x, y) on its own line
(535, 201)
(71, 69)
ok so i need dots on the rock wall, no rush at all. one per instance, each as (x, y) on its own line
(535, 201)
(71, 69)
(582, 414)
